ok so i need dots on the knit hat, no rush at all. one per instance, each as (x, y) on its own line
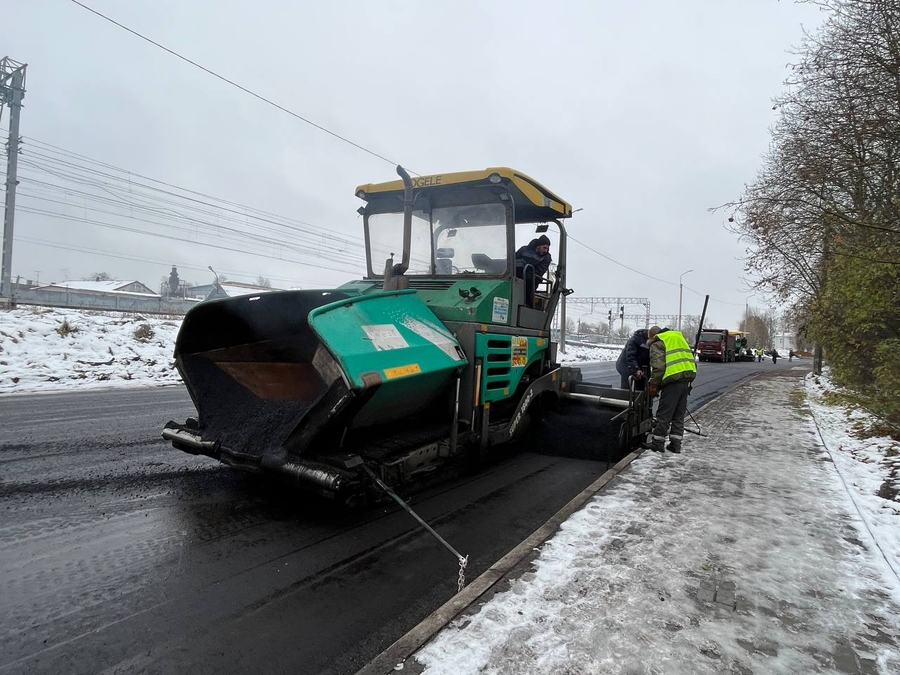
(543, 239)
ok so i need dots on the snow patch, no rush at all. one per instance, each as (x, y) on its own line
(44, 349)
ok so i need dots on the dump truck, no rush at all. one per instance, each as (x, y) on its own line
(716, 344)
(433, 359)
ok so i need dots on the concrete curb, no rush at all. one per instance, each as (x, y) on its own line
(407, 645)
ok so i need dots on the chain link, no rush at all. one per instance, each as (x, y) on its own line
(462, 573)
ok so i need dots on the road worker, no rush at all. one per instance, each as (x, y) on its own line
(672, 370)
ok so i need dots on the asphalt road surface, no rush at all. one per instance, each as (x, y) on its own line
(122, 555)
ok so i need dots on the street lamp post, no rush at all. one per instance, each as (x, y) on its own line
(680, 292)
(747, 306)
(209, 267)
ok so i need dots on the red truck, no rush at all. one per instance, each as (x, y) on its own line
(716, 344)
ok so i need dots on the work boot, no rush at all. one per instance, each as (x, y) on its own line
(658, 443)
(675, 447)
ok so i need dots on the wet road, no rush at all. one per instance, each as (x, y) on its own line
(712, 378)
(121, 555)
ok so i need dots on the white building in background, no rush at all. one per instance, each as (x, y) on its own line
(226, 289)
(110, 287)
(783, 342)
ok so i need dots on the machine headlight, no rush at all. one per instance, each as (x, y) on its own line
(494, 178)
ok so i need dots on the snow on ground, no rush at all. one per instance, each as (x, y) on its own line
(744, 555)
(868, 465)
(43, 349)
(582, 353)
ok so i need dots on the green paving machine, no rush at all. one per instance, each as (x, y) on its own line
(439, 356)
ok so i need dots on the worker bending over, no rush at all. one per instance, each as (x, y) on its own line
(672, 369)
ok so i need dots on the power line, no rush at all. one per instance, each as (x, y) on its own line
(196, 204)
(112, 254)
(131, 183)
(236, 85)
(636, 271)
(612, 260)
(65, 168)
(132, 174)
(712, 299)
(236, 235)
(126, 192)
(52, 214)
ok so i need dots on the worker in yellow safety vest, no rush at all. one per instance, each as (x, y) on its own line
(672, 370)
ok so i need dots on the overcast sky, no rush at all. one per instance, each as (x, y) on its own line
(641, 113)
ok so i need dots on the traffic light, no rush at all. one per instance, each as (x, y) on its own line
(622, 312)
(610, 316)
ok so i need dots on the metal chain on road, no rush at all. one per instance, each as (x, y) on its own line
(462, 560)
(462, 574)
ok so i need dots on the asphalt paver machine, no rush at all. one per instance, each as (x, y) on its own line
(433, 359)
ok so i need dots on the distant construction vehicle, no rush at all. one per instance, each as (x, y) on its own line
(716, 344)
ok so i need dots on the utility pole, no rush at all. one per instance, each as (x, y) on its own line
(12, 91)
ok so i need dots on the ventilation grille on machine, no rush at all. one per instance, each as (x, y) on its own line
(499, 360)
(424, 283)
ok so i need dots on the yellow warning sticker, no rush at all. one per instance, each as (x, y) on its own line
(402, 371)
(519, 351)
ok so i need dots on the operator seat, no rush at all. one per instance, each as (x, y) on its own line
(488, 264)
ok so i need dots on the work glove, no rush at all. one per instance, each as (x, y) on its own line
(639, 374)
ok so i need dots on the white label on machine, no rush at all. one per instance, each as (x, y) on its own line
(385, 337)
(437, 336)
(501, 311)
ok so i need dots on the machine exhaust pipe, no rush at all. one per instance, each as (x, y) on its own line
(407, 217)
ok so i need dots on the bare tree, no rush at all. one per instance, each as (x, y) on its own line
(829, 181)
(624, 331)
(756, 329)
(690, 325)
(99, 276)
(821, 220)
(263, 281)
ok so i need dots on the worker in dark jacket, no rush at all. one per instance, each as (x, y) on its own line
(672, 369)
(532, 263)
(634, 360)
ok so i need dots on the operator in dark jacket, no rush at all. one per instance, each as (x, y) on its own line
(672, 369)
(635, 360)
(532, 263)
